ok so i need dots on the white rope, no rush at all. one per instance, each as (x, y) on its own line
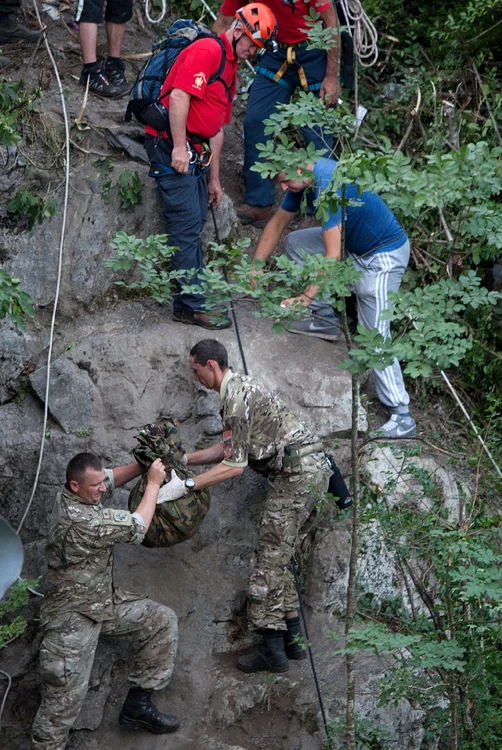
(9, 684)
(363, 32)
(162, 12)
(60, 265)
(466, 415)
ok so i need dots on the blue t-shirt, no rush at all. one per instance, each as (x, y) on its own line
(370, 226)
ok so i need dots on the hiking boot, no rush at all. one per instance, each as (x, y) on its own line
(114, 70)
(270, 657)
(12, 31)
(138, 712)
(295, 645)
(398, 426)
(99, 84)
(213, 322)
(327, 328)
(258, 216)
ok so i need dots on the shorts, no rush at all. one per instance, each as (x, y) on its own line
(91, 11)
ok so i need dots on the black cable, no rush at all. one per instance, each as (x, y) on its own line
(295, 575)
(232, 308)
(307, 639)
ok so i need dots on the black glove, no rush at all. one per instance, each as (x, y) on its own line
(337, 486)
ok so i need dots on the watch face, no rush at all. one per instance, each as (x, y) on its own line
(190, 483)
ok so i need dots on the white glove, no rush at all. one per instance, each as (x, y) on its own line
(173, 490)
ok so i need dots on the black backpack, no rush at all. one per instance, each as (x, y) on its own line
(146, 103)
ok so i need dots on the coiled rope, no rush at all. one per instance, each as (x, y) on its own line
(363, 32)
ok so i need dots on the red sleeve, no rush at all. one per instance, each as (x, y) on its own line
(230, 7)
(320, 5)
(192, 76)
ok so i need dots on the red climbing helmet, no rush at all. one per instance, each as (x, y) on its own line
(259, 24)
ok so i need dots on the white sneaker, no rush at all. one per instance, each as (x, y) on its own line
(397, 427)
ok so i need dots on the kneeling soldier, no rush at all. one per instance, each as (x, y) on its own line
(81, 603)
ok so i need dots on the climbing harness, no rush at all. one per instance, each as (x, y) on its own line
(277, 76)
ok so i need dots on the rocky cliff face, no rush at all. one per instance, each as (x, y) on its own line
(118, 364)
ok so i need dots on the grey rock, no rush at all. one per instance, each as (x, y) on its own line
(213, 426)
(226, 222)
(16, 351)
(208, 403)
(71, 394)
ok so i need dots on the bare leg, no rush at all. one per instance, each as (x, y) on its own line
(88, 38)
(115, 36)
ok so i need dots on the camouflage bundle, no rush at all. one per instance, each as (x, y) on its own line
(174, 521)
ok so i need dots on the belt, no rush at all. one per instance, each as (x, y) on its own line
(293, 454)
(296, 45)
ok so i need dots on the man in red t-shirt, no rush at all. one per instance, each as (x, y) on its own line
(313, 69)
(198, 109)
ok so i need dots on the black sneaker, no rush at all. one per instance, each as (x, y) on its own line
(115, 72)
(14, 31)
(99, 84)
(213, 322)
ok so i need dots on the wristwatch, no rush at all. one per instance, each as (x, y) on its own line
(189, 485)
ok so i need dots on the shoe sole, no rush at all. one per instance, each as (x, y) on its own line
(134, 725)
(314, 334)
(247, 220)
(105, 96)
(411, 434)
(265, 669)
(297, 657)
(194, 322)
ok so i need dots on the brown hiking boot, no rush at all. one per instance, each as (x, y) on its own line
(13, 31)
(256, 215)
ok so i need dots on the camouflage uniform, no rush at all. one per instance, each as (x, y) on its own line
(81, 603)
(257, 428)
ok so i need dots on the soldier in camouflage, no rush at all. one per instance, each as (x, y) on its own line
(260, 431)
(81, 603)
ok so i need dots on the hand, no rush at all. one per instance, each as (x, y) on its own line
(330, 90)
(253, 276)
(173, 490)
(302, 298)
(156, 472)
(180, 159)
(214, 193)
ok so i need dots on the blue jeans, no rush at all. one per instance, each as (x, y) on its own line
(184, 205)
(265, 94)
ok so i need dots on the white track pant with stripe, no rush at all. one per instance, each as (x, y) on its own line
(381, 273)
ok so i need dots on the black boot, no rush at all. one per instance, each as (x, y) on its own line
(138, 712)
(270, 657)
(294, 642)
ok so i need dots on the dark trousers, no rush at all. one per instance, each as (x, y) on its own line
(184, 205)
(9, 6)
(264, 96)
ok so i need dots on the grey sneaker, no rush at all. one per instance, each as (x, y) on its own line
(115, 72)
(320, 327)
(14, 31)
(397, 427)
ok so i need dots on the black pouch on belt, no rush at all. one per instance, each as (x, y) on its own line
(337, 486)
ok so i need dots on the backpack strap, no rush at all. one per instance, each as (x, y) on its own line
(215, 76)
